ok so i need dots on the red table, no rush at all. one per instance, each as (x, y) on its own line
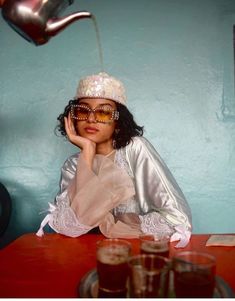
(52, 266)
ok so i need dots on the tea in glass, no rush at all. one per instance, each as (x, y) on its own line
(112, 267)
(194, 275)
(149, 276)
(150, 245)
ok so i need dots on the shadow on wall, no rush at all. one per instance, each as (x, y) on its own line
(28, 168)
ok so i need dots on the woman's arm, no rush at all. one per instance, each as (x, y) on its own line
(61, 217)
(163, 205)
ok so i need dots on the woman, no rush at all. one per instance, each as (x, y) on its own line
(117, 181)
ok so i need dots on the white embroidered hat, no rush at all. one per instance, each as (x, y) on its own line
(101, 85)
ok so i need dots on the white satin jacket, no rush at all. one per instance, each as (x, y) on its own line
(158, 200)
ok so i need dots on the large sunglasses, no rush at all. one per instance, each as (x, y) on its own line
(102, 114)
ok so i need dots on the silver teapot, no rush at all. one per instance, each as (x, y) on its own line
(37, 20)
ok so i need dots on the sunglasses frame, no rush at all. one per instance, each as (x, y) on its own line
(115, 113)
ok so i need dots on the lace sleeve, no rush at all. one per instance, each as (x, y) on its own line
(163, 205)
(62, 219)
(153, 223)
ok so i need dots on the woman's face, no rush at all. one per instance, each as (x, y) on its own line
(98, 132)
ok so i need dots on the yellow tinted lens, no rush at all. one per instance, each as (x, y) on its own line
(81, 113)
(103, 115)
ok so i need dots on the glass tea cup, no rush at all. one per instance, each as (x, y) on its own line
(154, 245)
(194, 274)
(112, 256)
(148, 276)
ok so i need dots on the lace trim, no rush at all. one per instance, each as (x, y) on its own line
(121, 162)
(62, 201)
(62, 219)
(65, 222)
(153, 223)
(131, 205)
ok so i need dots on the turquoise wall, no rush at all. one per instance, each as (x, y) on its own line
(176, 60)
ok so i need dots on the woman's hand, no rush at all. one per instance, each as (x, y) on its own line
(87, 146)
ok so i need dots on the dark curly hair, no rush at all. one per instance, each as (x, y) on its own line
(126, 127)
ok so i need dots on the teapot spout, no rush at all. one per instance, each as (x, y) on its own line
(55, 25)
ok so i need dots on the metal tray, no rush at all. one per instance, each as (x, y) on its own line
(88, 287)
